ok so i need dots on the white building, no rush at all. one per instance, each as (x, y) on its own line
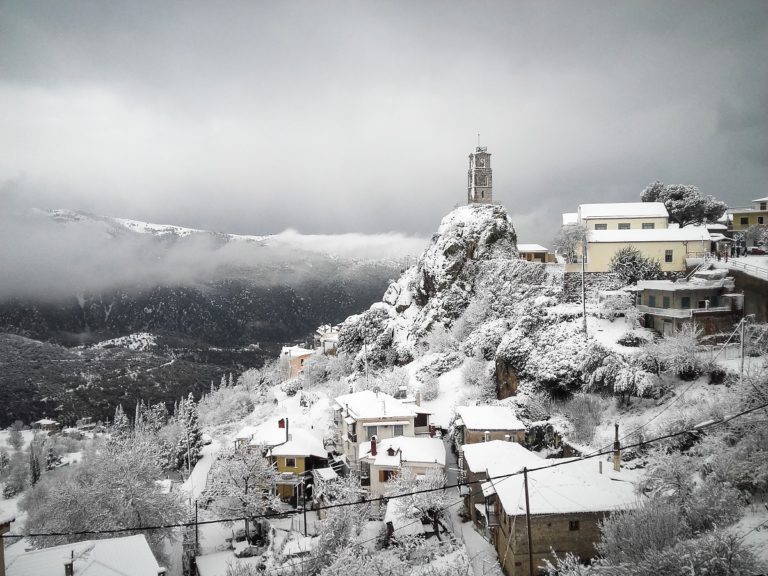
(384, 459)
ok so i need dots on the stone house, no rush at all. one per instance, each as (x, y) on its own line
(475, 424)
(567, 501)
(477, 458)
(535, 253)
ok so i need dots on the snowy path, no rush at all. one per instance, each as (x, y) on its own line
(482, 555)
(195, 484)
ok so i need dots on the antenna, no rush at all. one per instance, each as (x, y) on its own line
(478, 139)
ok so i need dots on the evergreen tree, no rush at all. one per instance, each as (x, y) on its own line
(34, 465)
(190, 442)
(52, 459)
(630, 265)
(15, 439)
(121, 427)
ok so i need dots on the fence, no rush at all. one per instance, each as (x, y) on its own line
(750, 269)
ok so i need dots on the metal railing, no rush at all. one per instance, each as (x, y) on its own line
(681, 312)
(749, 268)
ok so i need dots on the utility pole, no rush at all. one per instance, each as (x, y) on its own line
(583, 289)
(528, 522)
(743, 349)
(304, 498)
(197, 532)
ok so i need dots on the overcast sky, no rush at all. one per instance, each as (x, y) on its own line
(358, 116)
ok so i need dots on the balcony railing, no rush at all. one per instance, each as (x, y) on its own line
(681, 312)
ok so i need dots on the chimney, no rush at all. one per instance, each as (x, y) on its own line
(69, 564)
(373, 445)
(390, 451)
(486, 436)
(281, 423)
(418, 397)
(600, 466)
(616, 450)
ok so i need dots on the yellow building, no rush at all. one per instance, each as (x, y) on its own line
(296, 356)
(670, 246)
(642, 225)
(743, 218)
(301, 453)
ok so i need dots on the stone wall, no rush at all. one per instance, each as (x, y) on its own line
(556, 532)
(593, 282)
(506, 380)
(755, 294)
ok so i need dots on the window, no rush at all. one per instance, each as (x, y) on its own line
(601, 226)
(290, 462)
(573, 525)
(763, 205)
(686, 302)
(761, 220)
(387, 475)
(744, 220)
(372, 431)
(652, 300)
(649, 225)
(665, 302)
(397, 430)
(624, 226)
(667, 255)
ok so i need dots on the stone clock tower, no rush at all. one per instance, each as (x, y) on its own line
(479, 181)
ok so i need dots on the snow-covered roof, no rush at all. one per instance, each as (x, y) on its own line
(46, 422)
(763, 199)
(624, 210)
(246, 433)
(574, 487)
(325, 473)
(407, 449)
(301, 443)
(126, 556)
(368, 404)
(270, 434)
(298, 546)
(489, 418)
(7, 518)
(672, 234)
(295, 351)
(531, 248)
(692, 284)
(570, 218)
(479, 457)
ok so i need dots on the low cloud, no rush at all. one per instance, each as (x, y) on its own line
(46, 259)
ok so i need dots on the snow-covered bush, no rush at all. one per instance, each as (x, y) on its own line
(630, 266)
(614, 305)
(430, 387)
(677, 353)
(291, 387)
(225, 405)
(584, 412)
(632, 340)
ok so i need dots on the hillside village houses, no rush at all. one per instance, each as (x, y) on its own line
(126, 556)
(295, 357)
(535, 253)
(566, 504)
(707, 298)
(382, 460)
(643, 225)
(485, 423)
(756, 214)
(361, 416)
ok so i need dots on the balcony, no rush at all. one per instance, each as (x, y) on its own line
(352, 437)
(681, 312)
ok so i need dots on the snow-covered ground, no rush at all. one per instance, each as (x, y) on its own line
(141, 341)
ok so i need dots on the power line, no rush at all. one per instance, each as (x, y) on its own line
(385, 499)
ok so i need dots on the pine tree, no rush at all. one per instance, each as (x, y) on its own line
(190, 442)
(121, 427)
(52, 459)
(34, 465)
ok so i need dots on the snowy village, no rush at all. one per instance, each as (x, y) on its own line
(502, 409)
(379, 288)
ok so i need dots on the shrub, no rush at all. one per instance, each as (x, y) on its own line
(630, 266)
(631, 340)
(585, 412)
(225, 405)
(291, 387)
